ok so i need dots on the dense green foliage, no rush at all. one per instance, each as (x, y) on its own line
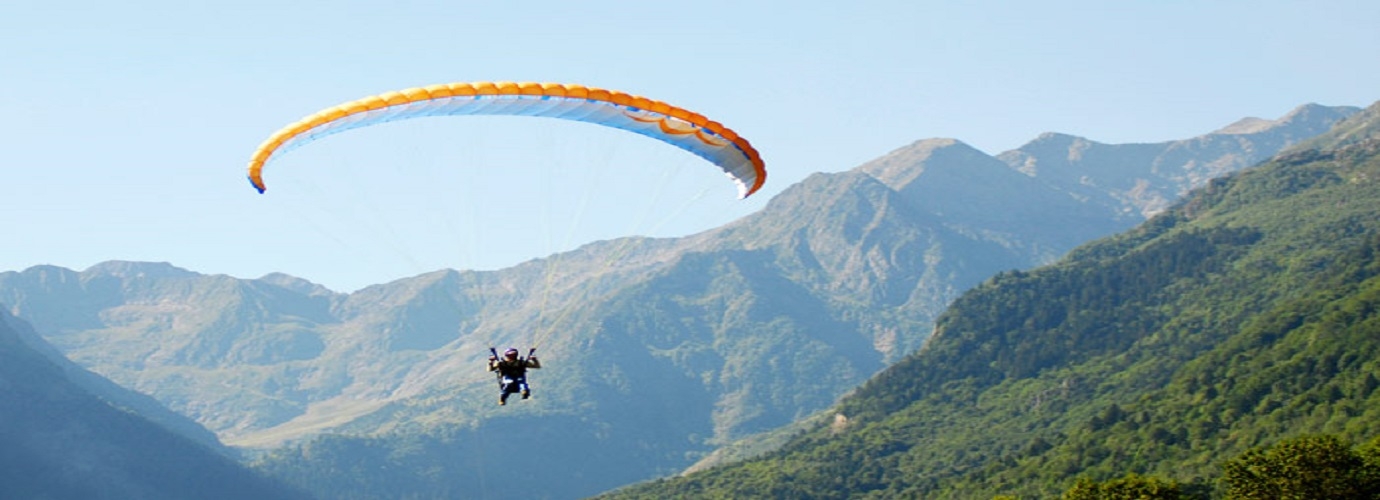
(1246, 315)
(1308, 467)
(1131, 487)
(1304, 468)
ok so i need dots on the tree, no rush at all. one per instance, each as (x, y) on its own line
(1130, 487)
(1303, 468)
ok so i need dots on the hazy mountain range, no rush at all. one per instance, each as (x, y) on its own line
(658, 351)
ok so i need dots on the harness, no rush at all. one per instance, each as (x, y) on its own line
(511, 372)
(515, 369)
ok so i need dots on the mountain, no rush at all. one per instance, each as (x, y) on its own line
(58, 440)
(1144, 179)
(1244, 315)
(101, 387)
(658, 352)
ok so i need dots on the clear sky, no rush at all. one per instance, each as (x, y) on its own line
(126, 126)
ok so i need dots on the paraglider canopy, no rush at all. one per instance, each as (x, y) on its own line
(690, 131)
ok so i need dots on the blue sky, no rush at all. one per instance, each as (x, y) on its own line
(127, 125)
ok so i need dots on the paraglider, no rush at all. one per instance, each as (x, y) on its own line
(512, 372)
(690, 131)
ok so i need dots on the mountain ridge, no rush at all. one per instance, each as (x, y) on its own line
(1242, 315)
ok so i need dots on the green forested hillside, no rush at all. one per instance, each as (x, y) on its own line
(1246, 315)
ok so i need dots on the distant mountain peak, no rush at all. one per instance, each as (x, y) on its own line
(1359, 126)
(1052, 143)
(126, 269)
(1056, 137)
(1304, 113)
(1247, 125)
(934, 143)
(294, 283)
(903, 166)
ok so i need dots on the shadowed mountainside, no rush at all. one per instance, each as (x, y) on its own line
(60, 441)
